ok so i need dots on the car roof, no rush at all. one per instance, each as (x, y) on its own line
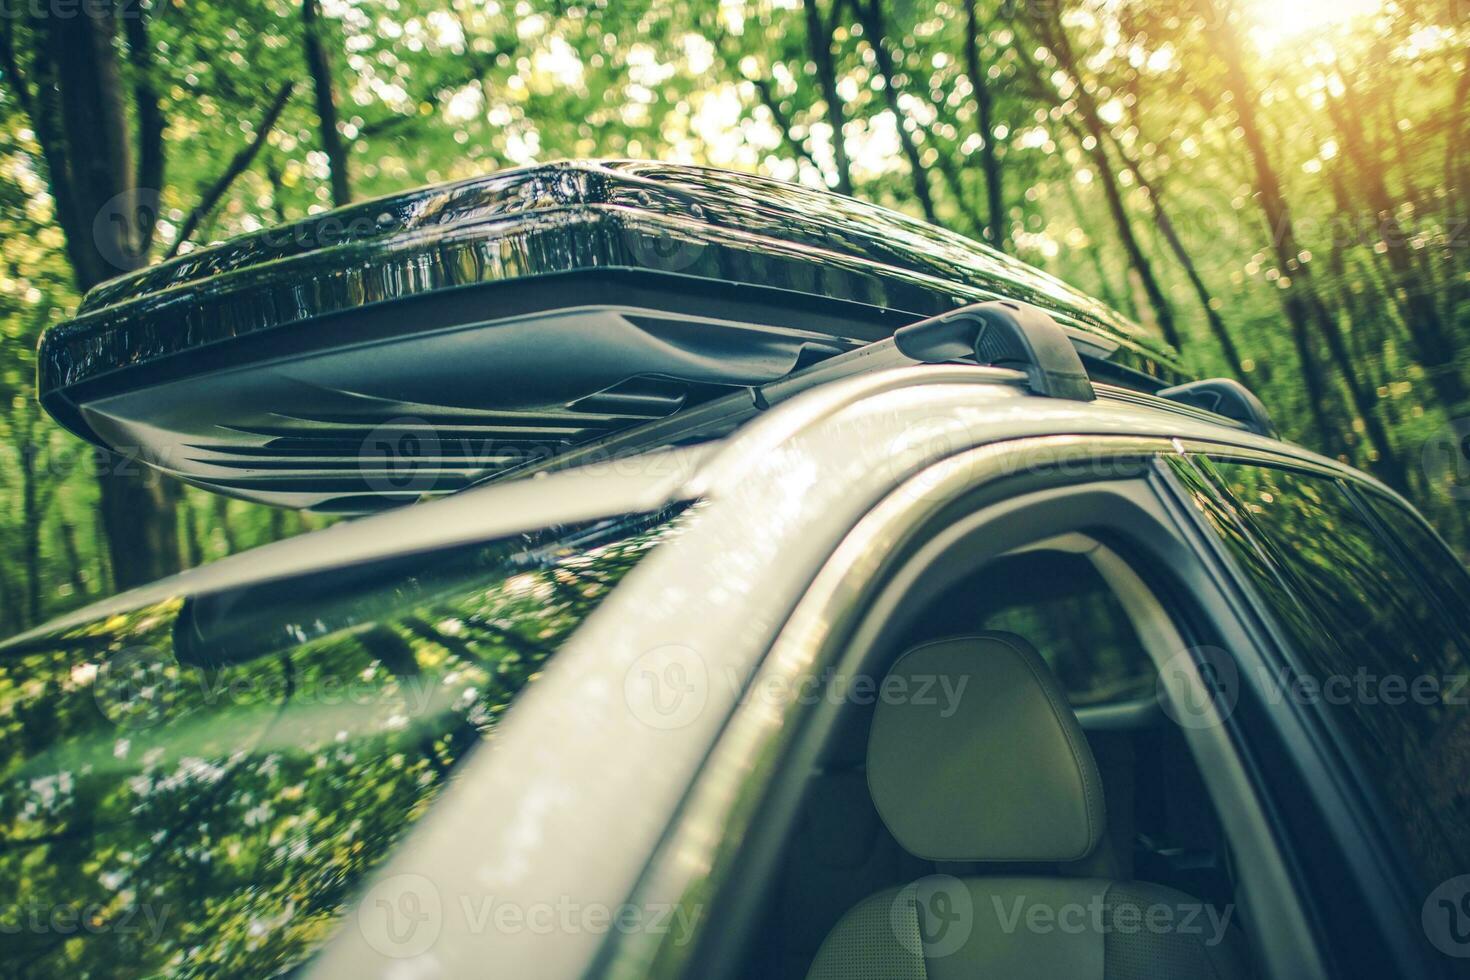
(645, 481)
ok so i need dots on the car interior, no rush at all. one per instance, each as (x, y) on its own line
(1051, 778)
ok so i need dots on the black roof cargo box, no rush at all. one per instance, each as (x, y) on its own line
(412, 344)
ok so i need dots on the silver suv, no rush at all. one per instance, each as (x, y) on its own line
(812, 593)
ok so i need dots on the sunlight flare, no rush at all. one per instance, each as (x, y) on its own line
(1276, 24)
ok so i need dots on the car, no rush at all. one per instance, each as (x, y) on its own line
(753, 583)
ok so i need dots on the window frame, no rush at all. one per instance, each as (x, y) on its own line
(1366, 837)
(741, 779)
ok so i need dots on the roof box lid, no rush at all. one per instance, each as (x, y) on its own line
(511, 314)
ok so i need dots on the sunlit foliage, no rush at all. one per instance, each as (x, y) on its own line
(1281, 186)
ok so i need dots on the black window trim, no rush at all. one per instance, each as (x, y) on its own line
(1378, 858)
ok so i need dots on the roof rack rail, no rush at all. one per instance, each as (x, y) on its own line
(1227, 397)
(1001, 333)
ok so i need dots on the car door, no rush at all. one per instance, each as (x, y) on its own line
(717, 857)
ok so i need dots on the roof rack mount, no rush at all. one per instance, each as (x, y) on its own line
(1227, 397)
(1003, 333)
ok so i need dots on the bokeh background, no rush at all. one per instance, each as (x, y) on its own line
(1280, 188)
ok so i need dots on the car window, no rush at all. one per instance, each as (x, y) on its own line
(198, 787)
(1062, 606)
(1445, 577)
(1376, 653)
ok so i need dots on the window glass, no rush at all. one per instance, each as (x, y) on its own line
(1377, 654)
(1444, 576)
(1059, 603)
(198, 787)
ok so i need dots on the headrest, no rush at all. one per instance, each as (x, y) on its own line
(975, 755)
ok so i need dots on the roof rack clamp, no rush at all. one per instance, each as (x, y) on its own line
(1227, 397)
(1003, 333)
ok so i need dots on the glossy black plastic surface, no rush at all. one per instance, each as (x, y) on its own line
(1227, 397)
(411, 344)
(1003, 334)
(558, 218)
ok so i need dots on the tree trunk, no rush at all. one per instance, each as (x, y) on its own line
(109, 218)
(1431, 341)
(872, 18)
(1105, 283)
(278, 190)
(1186, 261)
(83, 121)
(222, 521)
(1372, 315)
(193, 546)
(1457, 191)
(1387, 318)
(1048, 25)
(152, 149)
(950, 174)
(819, 44)
(782, 121)
(139, 517)
(1404, 155)
(1302, 304)
(31, 521)
(995, 231)
(319, 65)
(1457, 156)
(1328, 435)
(1102, 166)
(106, 582)
(73, 555)
(15, 613)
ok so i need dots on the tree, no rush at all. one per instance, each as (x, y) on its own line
(995, 229)
(319, 66)
(1304, 307)
(90, 86)
(819, 28)
(871, 14)
(106, 204)
(1000, 109)
(1410, 287)
(1091, 136)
